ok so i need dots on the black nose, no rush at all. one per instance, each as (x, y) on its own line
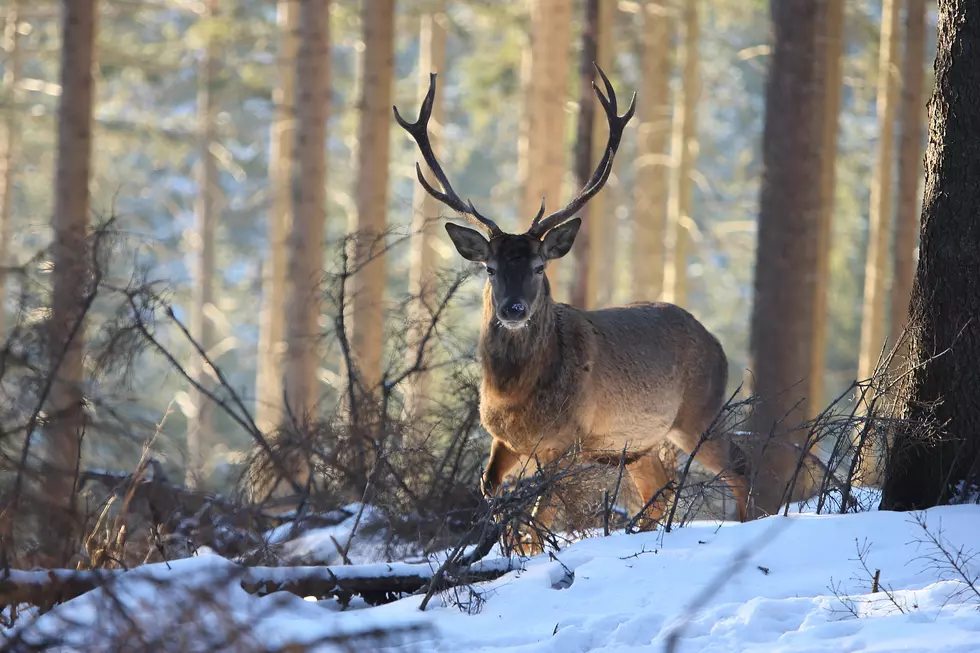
(513, 311)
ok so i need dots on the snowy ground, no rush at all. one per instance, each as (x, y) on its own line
(802, 588)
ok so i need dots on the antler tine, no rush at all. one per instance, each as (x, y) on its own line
(419, 130)
(617, 124)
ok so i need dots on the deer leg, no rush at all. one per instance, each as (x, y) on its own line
(502, 460)
(544, 512)
(650, 479)
(714, 455)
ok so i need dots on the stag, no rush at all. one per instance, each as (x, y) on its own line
(607, 385)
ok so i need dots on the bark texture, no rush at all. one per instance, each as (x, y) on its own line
(943, 324)
(786, 257)
(70, 274)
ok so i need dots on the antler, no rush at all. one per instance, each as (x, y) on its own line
(539, 226)
(420, 132)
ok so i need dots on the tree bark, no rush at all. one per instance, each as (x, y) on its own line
(913, 118)
(650, 216)
(272, 325)
(944, 381)
(786, 255)
(833, 60)
(9, 146)
(544, 138)
(306, 239)
(199, 434)
(425, 210)
(71, 274)
(684, 149)
(876, 266)
(371, 195)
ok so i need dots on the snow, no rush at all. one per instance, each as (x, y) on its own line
(793, 583)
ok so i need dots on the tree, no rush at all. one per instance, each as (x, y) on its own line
(202, 248)
(786, 254)
(371, 195)
(9, 144)
(833, 50)
(425, 209)
(543, 142)
(684, 149)
(650, 192)
(909, 167)
(70, 270)
(876, 265)
(305, 266)
(272, 324)
(944, 349)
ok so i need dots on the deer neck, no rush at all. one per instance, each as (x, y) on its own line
(514, 361)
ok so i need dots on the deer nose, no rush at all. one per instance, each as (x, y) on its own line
(513, 311)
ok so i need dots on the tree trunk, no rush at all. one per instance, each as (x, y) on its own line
(202, 248)
(272, 324)
(684, 149)
(368, 284)
(786, 255)
(305, 260)
(9, 144)
(876, 265)
(833, 60)
(909, 169)
(70, 273)
(544, 142)
(945, 336)
(650, 216)
(425, 210)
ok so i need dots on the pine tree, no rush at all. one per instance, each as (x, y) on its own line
(9, 144)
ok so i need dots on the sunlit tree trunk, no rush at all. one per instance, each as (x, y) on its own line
(368, 284)
(202, 251)
(70, 272)
(272, 324)
(650, 215)
(833, 49)
(684, 150)
(9, 144)
(943, 465)
(876, 265)
(544, 143)
(425, 210)
(913, 118)
(306, 236)
(786, 255)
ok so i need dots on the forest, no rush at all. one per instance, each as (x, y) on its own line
(241, 316)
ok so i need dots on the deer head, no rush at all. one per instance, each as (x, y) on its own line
(516, 263)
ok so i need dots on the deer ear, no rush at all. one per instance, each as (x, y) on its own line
(558, 241)
(470, 243)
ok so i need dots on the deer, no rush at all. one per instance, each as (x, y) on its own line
(558, 380)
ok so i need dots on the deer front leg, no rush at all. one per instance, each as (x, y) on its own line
(502, 460)
(545, 511)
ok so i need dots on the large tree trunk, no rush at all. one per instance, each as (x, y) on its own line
(70, 274)
(272, 322)
(876, 265)
(202, 250)
(544, 135)
(9, 144)
(786, 255)
(305, 264)
(907, 212)
(833, 50)
(425, 212)
(684, 148)
(650, 214)
(368, 284)
(944, 383)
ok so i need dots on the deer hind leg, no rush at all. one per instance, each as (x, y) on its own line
(715, 455)
(650, 479)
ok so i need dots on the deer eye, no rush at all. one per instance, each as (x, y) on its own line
(491, 271)
(539, 270)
